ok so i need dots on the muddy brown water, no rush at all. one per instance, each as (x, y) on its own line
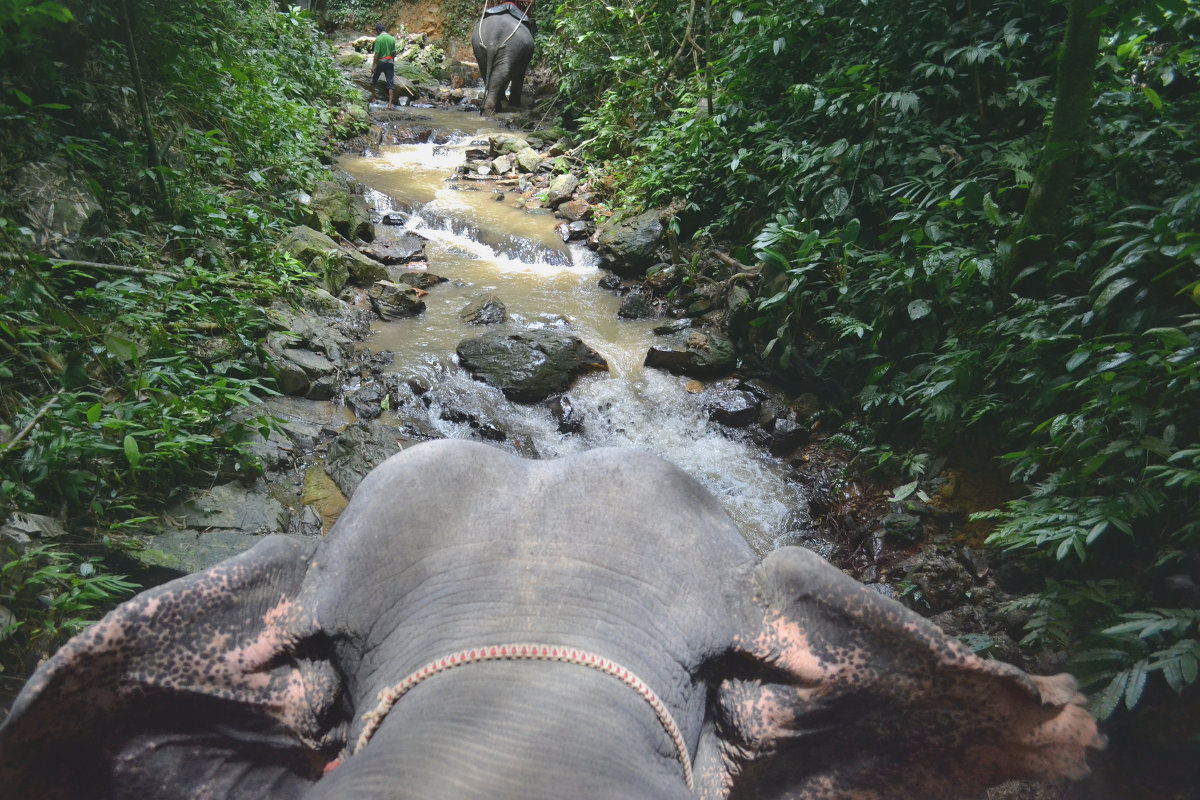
(485, 246)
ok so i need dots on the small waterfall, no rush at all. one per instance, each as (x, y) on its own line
(485, 246)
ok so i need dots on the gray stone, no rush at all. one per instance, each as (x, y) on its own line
(636, 305)
(319, 253)
(698, 354)
(561, 189)
(504, 143)
(419, 279)
(335, 208)
(529, 366)
(315, 365)
(735, 408)
(528, 160)
(409, 247)
(501, 164)
(233, 506)
(573, 231)
(189, 551)
(627, 244)
(569, 418)
(395, 301)
(484, 311)
(357, 450)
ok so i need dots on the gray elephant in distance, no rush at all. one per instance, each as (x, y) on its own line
(503, 46)
(480, 625)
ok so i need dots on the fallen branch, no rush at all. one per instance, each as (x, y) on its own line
(729, 260)
(32, 423)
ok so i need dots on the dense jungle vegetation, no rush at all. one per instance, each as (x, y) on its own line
(977, 222)
(153, 154)
(974, 225)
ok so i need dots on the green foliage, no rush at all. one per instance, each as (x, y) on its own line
(122, 367)
(50, 595)
(874, 159)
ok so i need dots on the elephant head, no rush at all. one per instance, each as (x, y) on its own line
(481, 625)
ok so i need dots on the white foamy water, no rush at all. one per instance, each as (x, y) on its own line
(485, 247)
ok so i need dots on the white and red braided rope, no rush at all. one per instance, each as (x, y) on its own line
(531, 652)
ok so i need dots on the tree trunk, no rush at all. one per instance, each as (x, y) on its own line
(1049, 196)
(135, 69)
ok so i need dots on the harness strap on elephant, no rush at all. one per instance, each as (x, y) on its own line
(531, 652)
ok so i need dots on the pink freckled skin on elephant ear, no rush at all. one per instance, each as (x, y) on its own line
(789, 647)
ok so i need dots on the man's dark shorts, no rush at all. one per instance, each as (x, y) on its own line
(388, 68)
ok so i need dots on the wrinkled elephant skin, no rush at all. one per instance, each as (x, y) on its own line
(782, 678)
(503, 48)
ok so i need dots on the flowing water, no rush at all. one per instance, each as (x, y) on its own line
(484, 247)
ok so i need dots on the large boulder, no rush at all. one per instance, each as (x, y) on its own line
(500, 144)
(396, 301)
(57, 202)
(697, 354)
(529, 366)
(333, 207)
(627, 244)
(335, 264)
(409, 247)
(561, 189)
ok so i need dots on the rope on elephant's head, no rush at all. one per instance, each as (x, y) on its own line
(528, 652)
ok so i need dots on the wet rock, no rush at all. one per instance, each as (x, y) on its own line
(335, 208)
(734, 408)
(530, 365)
(573, 231)
(561, 189)
(367, 401)
(419, 279)
(637, 304)
(484, 311)
(504, 143)
(574, 210)
(409, 247)
(297, 372)
(232, 506)
(627, 244)
(501, 165)
(902, 528)
(357, 450)
(394, 301)
(786, 436)
(335, 264)
(322, 495)
(393, 218)
(940, 579)
(569, 418)
(610, 282)
(528, 160)
(698, 354)
(661, 277)
(183, 552)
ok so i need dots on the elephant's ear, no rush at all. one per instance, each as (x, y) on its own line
(835, 691)
(214, 685)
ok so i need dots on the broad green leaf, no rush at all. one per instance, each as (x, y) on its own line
(1155, 101)
(131, 451)
(93, 413)
(990, 209)
(1111, 291)
(902, 492)
(919, 308)
(1137, 682)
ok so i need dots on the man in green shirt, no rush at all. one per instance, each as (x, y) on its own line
(385, 54)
